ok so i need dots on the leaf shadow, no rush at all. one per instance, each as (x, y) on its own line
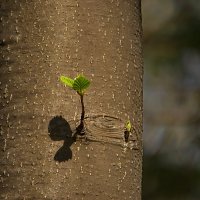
(59, 129)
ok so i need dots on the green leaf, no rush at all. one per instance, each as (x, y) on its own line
(81, 84)
(128, 126)
(67, 81)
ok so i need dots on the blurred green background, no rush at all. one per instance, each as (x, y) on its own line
(171, 168)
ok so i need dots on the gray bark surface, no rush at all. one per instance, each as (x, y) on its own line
(41, 40)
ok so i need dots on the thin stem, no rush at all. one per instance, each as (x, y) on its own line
(83, 109)
(80, 128)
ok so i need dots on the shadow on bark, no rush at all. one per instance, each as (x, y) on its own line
(5, 60)
(59, 129)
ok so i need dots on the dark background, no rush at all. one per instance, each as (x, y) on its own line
(171, 168)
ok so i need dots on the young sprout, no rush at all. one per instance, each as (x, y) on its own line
(79, 84)
(127, 131)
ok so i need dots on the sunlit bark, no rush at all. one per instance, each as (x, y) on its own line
(41, 40)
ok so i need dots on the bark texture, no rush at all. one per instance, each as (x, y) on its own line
(41, 40)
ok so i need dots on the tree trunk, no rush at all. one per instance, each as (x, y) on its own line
(41, 40)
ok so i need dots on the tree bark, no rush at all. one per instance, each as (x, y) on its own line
(41, 40)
